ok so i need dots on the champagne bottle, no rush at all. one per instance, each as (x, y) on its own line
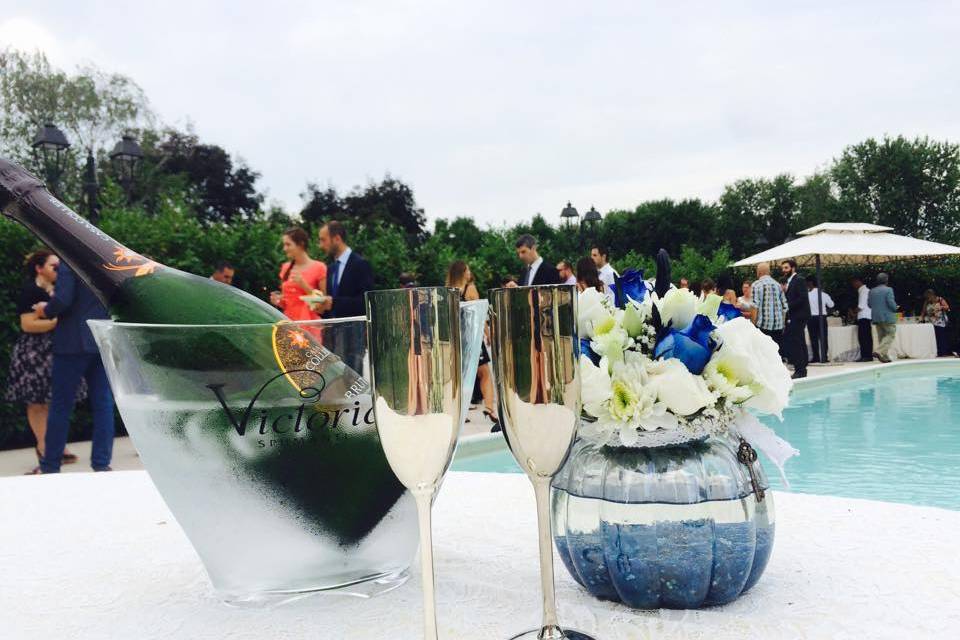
(137, 289)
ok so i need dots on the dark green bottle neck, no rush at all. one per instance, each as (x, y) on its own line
(99, 260)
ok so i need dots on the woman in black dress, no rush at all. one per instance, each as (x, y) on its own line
(460, 278)
(31, 360)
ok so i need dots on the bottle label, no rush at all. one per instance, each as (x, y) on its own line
(126, 260)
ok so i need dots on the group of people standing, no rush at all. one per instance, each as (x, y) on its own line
(335, 290)
(783, 310)
(55, 363)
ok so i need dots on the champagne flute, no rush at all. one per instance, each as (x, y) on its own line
(534, 352)
(414, 346)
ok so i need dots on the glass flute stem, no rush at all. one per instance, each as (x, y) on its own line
(424, 499)
(551, 625)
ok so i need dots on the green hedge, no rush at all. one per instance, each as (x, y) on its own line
(173, 236)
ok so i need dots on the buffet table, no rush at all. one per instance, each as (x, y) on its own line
(913, 340)
(90, 556)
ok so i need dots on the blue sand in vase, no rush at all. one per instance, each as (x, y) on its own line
(764, 549)
(677, 565)
(734, 550)
(587, 557)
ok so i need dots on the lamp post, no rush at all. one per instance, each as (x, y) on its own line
(50, 154)
(125, 158)
(590, 221)
(91, 189)
(569, 215)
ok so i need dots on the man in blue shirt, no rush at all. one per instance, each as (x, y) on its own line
(75, 357)
(883, 308)
(771, 304)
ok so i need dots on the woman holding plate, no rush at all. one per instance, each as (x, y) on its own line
(303, 280)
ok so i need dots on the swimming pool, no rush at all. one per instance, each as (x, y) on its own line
(888, 433)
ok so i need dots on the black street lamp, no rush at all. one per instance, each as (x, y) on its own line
(592, 217)
(569, 215)
(91, 189)
(50, 154)
(590, 221)
(126, 157)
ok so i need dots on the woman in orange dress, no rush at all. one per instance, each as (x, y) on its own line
(301, 276)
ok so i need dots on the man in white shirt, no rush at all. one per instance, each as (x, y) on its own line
(608, 275)
(813, 322)
(565, 269)
(864, 328)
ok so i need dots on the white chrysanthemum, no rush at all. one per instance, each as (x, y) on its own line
(682, 392)
(758, 364)
(623, 404)
(677, 308)
(592, 309)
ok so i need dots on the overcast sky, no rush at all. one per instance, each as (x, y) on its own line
(499, 110)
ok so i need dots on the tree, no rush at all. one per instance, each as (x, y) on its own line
(910, 185)
(220, 189)
(93, 107)
(320, 205)
(391, 202)
(817, 202)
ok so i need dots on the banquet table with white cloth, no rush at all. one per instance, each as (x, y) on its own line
(98, 555)
(912, 340)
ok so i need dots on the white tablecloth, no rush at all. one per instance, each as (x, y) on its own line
(91, 556)
(914, 341)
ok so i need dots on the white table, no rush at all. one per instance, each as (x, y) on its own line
(913, 340)
(91, 556)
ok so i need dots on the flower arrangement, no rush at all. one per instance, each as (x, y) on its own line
(660, 366)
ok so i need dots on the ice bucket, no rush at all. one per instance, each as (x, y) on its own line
(261, 440)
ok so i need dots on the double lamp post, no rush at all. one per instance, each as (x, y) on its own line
(50, 147)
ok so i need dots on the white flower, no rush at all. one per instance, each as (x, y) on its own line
(728, 374)
(592, 309)
(610, 339)
(678, 306)
(682, 392)
(623, 404)
(709, 306)
(752, 359)
(635, 317)
(595, 388)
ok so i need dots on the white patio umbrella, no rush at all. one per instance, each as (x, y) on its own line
(848, 244)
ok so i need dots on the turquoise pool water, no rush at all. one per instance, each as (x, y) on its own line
(891, 436)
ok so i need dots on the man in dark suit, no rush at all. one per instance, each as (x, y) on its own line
(536, 270)
(798, 312)
(349, 276)
(75, 357)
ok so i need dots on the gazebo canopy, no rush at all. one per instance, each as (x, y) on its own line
(850, 243)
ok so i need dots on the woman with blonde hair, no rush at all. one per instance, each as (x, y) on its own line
(460, 278)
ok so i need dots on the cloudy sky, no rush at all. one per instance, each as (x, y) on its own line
(498, 110)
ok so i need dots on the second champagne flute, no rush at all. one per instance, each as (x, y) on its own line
(414, 339)
(535, 351)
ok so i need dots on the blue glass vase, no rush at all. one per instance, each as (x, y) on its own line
(679, 527)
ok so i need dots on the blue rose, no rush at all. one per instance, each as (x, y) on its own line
(586, 350)
(691, 345)
(629, 285)
(728, 312)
